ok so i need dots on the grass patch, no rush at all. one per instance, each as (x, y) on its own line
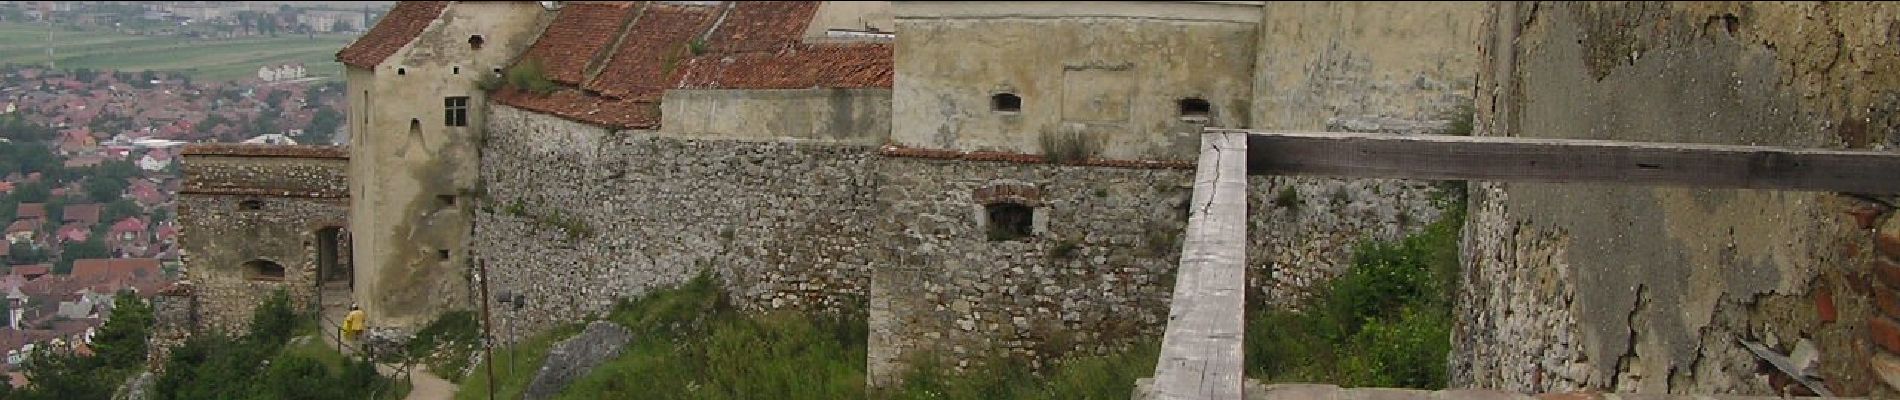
(1385, 323)
(691, 344)
(1085, 377)
(514, 366)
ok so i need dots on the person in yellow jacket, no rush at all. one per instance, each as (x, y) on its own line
(353, 324)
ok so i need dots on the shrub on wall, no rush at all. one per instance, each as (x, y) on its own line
(1386, 322)
(1068, 147)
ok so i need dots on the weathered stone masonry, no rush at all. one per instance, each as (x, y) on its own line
(1637, 289)
(816, 225)
(783, 223)
(243, 205)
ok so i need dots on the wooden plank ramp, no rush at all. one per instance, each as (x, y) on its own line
(1201, 349)
(1371, 155)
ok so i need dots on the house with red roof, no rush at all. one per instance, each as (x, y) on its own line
(128, 238)
(30, 211)
(145, 193)
(25, 231)
(110, 275)
(30, 272)
(83, 213)
(72, 233)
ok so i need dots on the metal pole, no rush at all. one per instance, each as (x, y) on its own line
(488, 345)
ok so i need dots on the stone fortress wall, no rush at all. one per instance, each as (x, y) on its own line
(252, 220)
(1652, 289)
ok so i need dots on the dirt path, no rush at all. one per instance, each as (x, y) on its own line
(423, 385)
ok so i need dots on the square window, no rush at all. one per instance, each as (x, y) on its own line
(455, 111)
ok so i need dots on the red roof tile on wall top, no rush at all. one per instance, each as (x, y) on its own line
(801, 67)
(575, 105)
(577, 34)
(647, 61)
(397, 28)
(763, 26)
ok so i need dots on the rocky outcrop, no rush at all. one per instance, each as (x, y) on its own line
(574, 358)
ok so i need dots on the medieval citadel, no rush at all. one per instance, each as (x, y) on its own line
(925, 161)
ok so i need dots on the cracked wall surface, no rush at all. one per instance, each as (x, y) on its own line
(1647, 289)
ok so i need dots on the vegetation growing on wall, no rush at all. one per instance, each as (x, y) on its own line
(265, 363)
(1067, 147)
(446, 344)
(1386, 322)
(691, 344)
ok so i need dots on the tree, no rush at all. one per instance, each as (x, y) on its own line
(103, 189)
(31, 192)
(323, 125)
(273, 321)
(25, 253)
(119, 209)
(64, 374)
(120, 343)
(93, 247)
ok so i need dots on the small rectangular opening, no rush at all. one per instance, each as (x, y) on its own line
(442, 254)
(447, 200)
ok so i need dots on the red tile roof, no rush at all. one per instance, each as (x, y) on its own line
(833, 66)
(755, 45)
(25, 225)
(763, 26)
(105, 269)
(129, 224)
(577, 36)
(649, 56)
(83, 213)
(396, 29)
(30, 271)
(572, 104)
(30, 210)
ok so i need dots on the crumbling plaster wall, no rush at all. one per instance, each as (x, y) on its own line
(1644, 289)
(1111, 71)
(858, 116)
(402, 225)
(1364, 66)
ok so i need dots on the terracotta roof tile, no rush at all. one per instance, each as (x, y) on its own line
(579, 33)
(800, 67)
(763, 26)
(649, 56)
(396, 29)
(755, 46)
(575, 105)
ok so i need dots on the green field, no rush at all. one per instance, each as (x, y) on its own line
(219, 59)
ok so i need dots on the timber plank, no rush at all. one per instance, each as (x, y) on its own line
(1511, 159)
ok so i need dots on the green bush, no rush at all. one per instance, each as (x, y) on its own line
(1385, 322)
(1082, 377)
(1067, 147)
(529, 75)
(259, 365)
(1289, 198)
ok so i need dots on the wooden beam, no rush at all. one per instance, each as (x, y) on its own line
(1201, 349)
(1365, 155)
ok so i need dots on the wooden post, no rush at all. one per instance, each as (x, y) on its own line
(488, 335)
